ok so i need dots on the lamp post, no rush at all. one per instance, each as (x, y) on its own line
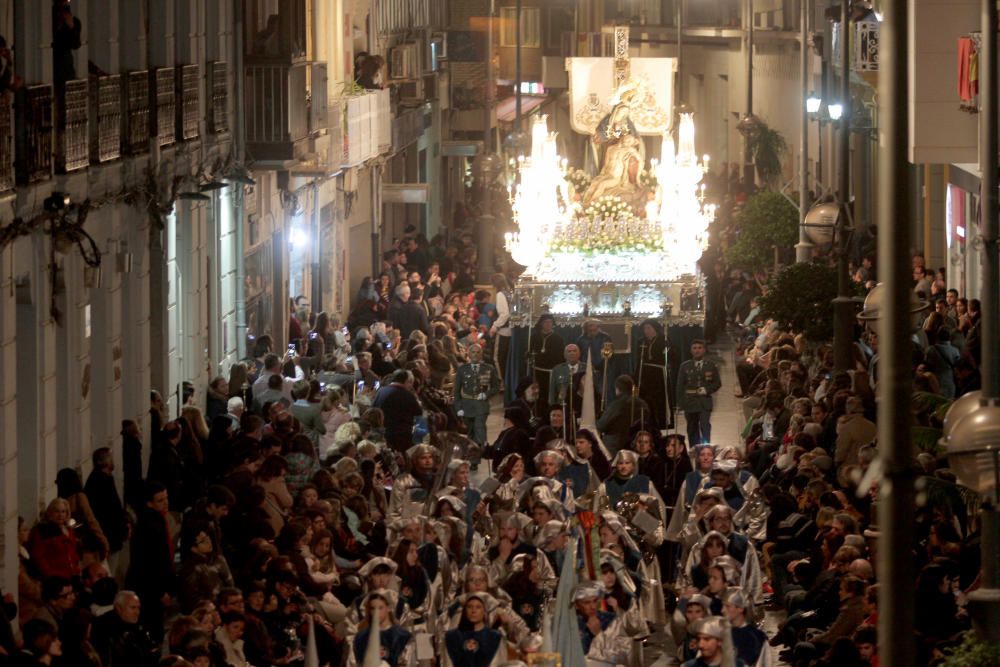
(896, 496)
(487, 167)
(803, 249)
(843, 313)
(517, 66)
(748, 126)
(814, 107)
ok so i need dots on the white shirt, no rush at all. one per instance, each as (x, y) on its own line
(260, 384)
(503, 315)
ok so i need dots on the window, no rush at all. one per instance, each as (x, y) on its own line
(530, 27)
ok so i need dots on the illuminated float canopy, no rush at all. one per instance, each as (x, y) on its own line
(627, 239)
(571, 228)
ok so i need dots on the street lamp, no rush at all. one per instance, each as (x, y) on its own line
(973, 447)
(813, 103)
(835, 110)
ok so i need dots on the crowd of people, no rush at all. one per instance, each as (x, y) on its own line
(318, 505)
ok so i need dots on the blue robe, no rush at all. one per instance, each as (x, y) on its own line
(393, 641)
(694, 482)
(578, 474)
(748, 642)
(472, 648)
(616, 487)
(605, 617)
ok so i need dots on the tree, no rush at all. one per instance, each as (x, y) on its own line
(800, 296)
(769, 220)
(767, 146)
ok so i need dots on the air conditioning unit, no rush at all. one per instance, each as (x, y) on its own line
(404, 61)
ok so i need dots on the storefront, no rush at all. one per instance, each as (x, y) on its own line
(961, 228)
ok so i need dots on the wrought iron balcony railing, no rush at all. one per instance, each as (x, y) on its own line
(106, 118)
(165, 109)
(277, 110)
(6, 145)
(187, 102)
(72, 127)
(135, 138)
(219, 95)
(33, 134)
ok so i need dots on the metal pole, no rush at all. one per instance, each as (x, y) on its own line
(238, 188)
(988, 157)
(486, 220)
(680, 52)
(803, 250)
(748, 175)
(376, 200)
(749, 63)
(843, 324)
(517, 67)
(896, 496)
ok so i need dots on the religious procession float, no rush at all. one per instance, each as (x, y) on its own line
(624, 243)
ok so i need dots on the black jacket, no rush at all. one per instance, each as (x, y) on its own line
(408, 317)
(107, 506)
(167, 467)
(151, 567)
(400, 406)
(132, 469)
(513, 440)
(122, 644)
(618, 417)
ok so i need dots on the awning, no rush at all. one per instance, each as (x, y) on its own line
(507, 108)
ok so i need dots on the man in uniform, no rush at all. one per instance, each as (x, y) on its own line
(564, 383)
(697, 379)
(475, 383)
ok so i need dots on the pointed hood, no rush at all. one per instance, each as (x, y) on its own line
(588, 413)
(373, 652)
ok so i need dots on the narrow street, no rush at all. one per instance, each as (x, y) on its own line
(727, 422)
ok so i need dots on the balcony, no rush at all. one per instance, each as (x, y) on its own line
(407, 128)
(106, 112)
(135, 138)
(219, 95)
(6, 146)
(187, 102)
(33, 137)
(165, 108)
(277, 111)
(72, 127)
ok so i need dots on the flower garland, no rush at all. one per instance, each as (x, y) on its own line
(608, 226)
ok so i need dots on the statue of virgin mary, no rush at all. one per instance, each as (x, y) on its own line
(624, 155)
